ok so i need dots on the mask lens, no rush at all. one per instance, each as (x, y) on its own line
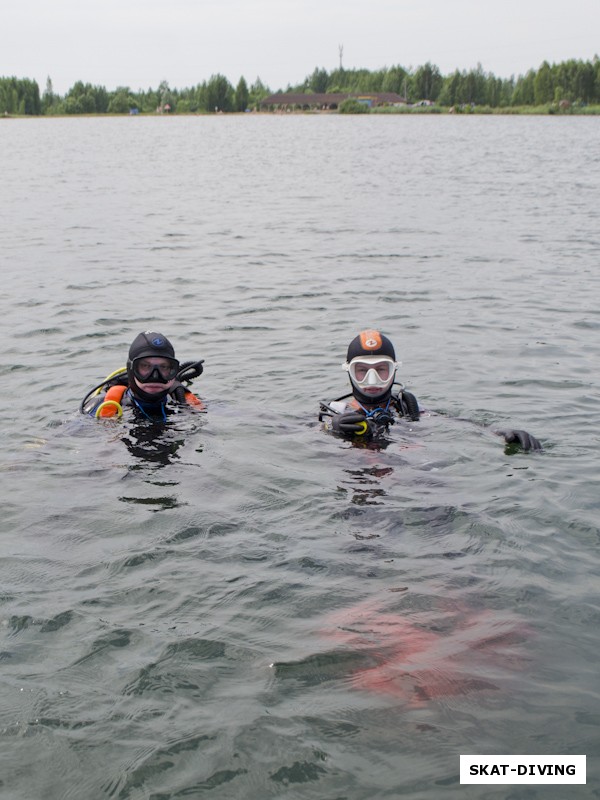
(381, 371)
(165, 369)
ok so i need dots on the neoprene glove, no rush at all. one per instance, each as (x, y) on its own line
(351, 422)
(526, 440)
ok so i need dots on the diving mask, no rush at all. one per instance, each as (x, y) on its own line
(155, 369)
(372, 372)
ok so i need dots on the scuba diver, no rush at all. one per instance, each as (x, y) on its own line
(376, 399)
(151, 385)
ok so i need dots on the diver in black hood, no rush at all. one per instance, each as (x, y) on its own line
(376, 400)
(151, 384)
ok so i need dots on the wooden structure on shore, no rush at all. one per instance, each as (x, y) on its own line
(290, 101)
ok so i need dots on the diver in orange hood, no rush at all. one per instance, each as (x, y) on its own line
(376, 400)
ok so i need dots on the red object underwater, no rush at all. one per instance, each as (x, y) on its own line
(434, 655)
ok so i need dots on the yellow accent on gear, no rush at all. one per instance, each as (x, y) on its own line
(107, 404)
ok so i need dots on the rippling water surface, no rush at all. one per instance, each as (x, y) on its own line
(244, 606)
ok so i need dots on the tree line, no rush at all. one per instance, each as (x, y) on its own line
(573, 81)
(22, 96)
(570, 82)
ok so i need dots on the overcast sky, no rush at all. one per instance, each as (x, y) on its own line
(139, 43)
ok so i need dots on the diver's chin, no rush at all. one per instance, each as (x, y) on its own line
(157, 389)
(152, 388)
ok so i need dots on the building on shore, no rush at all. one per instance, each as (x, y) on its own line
(290, 101)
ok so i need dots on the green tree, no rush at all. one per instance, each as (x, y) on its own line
(370, 81)
(543, 89)
(30, 97)
(427, 82)
(584, 81)
(596, 68)
(149, 100)
(524, 93)
(72, 105)
(242, 95)
(219, 94)
(9, 96)
(472, 87)
(166, 99)
(121, 101)
(337, 81)
(19, 96)
(395, 80)
(563, 82)
(450, 87)
(83, 98)
(258, 92)
(49, 99)
(317, 82)
(507, 91)
(200, 101)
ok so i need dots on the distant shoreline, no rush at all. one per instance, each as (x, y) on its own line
(579, 111)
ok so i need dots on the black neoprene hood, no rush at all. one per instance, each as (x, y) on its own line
(151, 344)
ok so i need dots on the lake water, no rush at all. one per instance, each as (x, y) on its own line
(248, 607)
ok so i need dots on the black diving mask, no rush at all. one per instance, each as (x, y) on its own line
(155, 369)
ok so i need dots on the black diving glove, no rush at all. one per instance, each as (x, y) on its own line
(177, 392)
(526, 440)
(352, 422)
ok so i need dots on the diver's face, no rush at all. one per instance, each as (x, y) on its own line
(371, 375)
